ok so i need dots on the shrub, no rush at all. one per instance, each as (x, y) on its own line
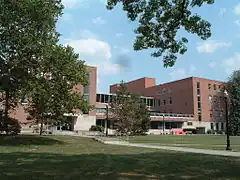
(12, 127)
(210, 131)
(96, 128)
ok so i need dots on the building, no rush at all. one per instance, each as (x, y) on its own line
(194, 103)
(200, 98)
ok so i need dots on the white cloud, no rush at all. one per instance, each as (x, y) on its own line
(237, 9)
(210, 46)
(181, 73)
(237, 22)
(98, 20)
(96, 53)
(212, 64)
(222, 11)
(118, 35)
(231, 64)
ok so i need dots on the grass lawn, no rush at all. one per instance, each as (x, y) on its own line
(193, 141)
(67, 158)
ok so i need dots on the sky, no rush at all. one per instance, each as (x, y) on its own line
(104, 38)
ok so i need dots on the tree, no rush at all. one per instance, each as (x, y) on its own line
(234, 94)
(26, 30)
(160, 22)
(51, 91)
(129, 114)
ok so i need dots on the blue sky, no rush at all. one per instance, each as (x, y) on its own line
(104, 38)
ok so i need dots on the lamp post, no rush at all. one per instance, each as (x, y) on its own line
(163, 123)
(106, 120)
(227, 120)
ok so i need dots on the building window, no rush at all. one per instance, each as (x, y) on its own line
(222, 126)
(106, 98)
(86, 89)
(210, 99)
(198, 91)
(157, 102)
(217, 126)
(199, 105)
(198, 84)
(98, 98)
(164, 102)
(189, 123)
(151, 102)
(209, 86)
(214, 86)
(199, 98)
(199, 117)
(219, 86)
(170, 100)
(212, 126)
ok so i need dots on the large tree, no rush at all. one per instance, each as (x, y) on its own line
(159, 24)
(51, 94)
(27, 30)
(234, 94)
(129, 114)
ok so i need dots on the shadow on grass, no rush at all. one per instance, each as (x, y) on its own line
(27, 140)
(157, 165)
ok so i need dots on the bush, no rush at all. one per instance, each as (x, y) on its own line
(210, 131)
(12, 127)
(96, 128)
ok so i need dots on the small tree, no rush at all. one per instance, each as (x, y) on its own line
(234, 94)
(129, 114)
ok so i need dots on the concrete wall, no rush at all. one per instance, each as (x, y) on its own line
(84, 122)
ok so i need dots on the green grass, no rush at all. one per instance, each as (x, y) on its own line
(193, 141)
(67, 158)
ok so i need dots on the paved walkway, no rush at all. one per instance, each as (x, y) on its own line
(181, 149)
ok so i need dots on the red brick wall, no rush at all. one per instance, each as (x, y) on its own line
(138, 86)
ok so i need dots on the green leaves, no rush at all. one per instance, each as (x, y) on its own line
(131, 117)
(159, 24)
(234, 94)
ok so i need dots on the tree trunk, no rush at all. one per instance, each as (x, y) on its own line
(41, 127)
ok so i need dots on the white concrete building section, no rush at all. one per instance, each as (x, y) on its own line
(84, 122)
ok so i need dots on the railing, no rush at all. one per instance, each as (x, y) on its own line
(103, 111)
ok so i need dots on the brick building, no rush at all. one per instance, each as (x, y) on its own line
(203, 98)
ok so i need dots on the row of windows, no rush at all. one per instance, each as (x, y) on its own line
(199, 102)
(215, 87)
(105, 98)
(219, 126)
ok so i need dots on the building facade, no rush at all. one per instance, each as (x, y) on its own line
(188, 103)
(199, 97)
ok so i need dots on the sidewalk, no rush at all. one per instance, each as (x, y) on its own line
(181, 149)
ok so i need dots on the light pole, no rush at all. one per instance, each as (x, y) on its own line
(163, 123)
(227, 120)
(106, 121)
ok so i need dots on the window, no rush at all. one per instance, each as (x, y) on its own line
(214, 86)
(198, 84)
(209, 86)
(170, 100)
(200, 117)
(86, 89)
(164, 102)
(219, 86)
(199, 105)
(210, 99)
(98, 98)
(86, 97)
(106, 98)
(217, 126)
(189, 123)
(199, 98)
(198, 91)
(212, 126)
(151, 102)
(157, 102)
(222, 126)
